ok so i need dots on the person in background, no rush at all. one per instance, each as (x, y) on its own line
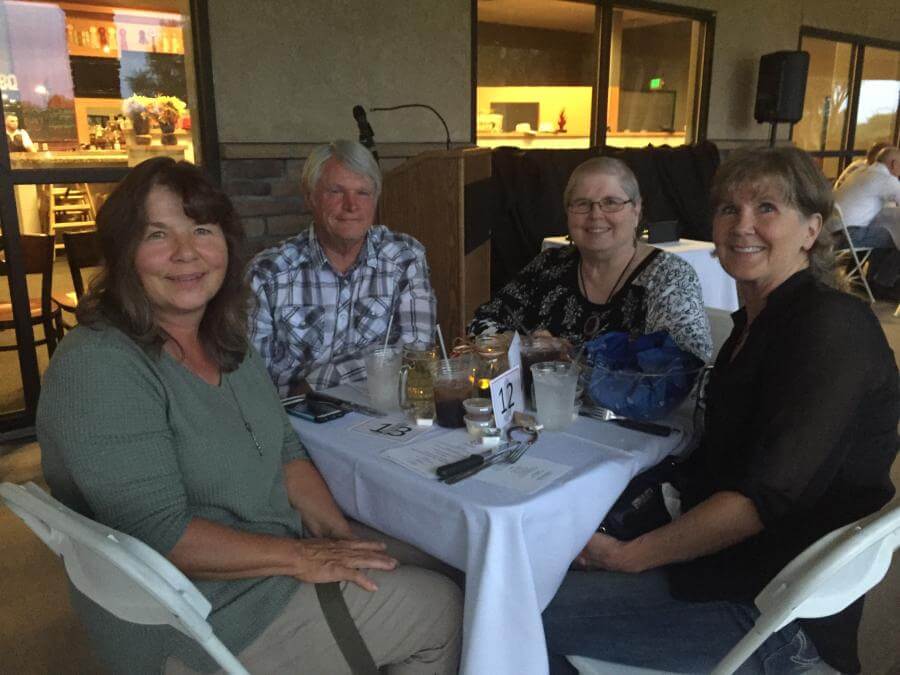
(869, 202)
(17, 139)
(329, 292)
(800, 434)
(606, 280)
(860, 163)
(158, 419)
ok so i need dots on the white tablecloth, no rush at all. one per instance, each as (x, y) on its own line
(719, 289)
(514, 548)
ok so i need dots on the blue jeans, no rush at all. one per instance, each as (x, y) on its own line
(633, 619)
(872, 236)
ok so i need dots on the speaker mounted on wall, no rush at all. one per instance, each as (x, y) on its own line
(781, 87)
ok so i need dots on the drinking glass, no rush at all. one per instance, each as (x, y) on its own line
(538, 349)
(554, 393)
(383, 374)
(452, 386)
(416, 386)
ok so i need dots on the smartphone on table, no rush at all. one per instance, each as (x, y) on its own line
(315, 411)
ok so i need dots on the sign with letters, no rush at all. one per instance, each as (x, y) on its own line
(506, 396)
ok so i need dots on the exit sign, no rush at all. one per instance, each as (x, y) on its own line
(656, 83)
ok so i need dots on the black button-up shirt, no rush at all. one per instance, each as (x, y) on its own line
(803, 422)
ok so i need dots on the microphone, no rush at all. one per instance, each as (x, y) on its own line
(366, 134)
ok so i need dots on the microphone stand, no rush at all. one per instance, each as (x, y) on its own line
(419, 105)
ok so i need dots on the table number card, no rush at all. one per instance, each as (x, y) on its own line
(506, 396)
(401, 431)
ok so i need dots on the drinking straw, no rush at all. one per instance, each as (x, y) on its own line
(387, 336)
(443, 346)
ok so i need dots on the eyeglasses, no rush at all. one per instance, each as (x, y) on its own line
(607, 205)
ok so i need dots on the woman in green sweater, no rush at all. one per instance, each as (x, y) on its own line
(157, 419)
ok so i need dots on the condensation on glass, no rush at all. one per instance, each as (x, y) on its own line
(537, 67)
(96, 85)
(654, 75)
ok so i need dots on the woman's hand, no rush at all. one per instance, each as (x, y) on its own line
(603, 552)
(324, 560)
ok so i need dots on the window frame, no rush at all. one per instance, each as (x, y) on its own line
(858, 44)
(10, 177)
(600, 97)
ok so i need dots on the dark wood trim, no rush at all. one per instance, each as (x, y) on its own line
(600, 125)
(206, 98)
(701, 102)
(849, 140)
(835, 36)
(112, 174)
(666, 8)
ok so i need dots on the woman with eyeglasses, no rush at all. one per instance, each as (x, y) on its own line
(606, 280)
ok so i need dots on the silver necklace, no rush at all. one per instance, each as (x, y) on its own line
(615, 285)
(243, 418)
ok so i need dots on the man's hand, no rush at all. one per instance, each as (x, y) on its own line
(324, 560)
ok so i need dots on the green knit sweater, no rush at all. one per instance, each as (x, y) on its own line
(143, 445)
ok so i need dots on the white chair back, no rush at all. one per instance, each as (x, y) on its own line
(859, 254)
(720, 325)
(118, 572)
(826, 578)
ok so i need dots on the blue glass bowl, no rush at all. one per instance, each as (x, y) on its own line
(639, 395)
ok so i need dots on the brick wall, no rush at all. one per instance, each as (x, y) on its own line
(266, 194)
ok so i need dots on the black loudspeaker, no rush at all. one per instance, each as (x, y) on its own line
(781, 87)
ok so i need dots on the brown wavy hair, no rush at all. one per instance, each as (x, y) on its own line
(116, 295)
(802, 185)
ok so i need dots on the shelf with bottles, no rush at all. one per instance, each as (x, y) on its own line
(91, 35)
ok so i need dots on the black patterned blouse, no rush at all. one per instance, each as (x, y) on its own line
(662, 293)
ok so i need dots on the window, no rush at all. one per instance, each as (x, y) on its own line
(540, 82)
(852, 97)
(81, 83)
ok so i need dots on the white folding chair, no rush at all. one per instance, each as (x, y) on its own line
(823, 580)
(118, 572)
(857, 272)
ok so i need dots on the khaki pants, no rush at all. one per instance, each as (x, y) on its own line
(412, 625)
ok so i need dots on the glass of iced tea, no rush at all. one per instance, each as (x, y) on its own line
(538, 349)
(452, 386)
(417, 379)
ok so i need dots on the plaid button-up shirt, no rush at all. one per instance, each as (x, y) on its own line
(312, 323)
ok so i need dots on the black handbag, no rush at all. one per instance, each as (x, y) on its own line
(641, 507)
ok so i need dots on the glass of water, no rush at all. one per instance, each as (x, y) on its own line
(383, 374)
(554, 393)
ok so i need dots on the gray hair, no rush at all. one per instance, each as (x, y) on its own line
(352, 154)
(609, 166)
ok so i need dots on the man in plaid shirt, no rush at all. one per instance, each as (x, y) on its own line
(326, 294)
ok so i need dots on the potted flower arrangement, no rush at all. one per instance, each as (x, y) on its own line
(137, 111)
(167, 111)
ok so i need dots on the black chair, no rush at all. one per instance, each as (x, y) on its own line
(82, 250)
(37, 255)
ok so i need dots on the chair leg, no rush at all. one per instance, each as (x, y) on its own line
(49, 335)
